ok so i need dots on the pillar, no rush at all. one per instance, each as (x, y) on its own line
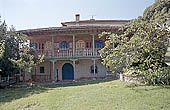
(74, 66)
(73, 45)
(93, 43)
(94, 66)
(53, 70)
(52, 45)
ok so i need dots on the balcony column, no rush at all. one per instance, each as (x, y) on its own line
(94, 66)
(73, 45)
(74, 66)
(93, 43)
(53, 70)
(52, 45)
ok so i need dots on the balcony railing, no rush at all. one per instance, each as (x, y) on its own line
(87, 52)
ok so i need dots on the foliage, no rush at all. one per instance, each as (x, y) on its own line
(141, 48)
(157, 12)
(27, 61)
(15, 57)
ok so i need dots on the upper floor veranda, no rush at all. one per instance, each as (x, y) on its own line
(68, 46)
(77, 39)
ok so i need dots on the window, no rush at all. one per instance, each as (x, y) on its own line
(64, 45)
(48, 45)
(42, 70)
(99, 44)
(34, 45)
(92, 69)
(80, 44)
(56, 45)
(70, 45)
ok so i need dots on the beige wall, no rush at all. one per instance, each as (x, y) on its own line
(47, 68)
(82, 69)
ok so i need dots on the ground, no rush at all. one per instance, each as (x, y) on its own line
(95, 95)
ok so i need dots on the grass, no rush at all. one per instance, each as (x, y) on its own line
(95, 95)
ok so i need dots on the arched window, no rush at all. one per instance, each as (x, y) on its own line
(48, 45)
(34, 45)
(64, 45)
(99, 44)
(80, 44)
(92, 69)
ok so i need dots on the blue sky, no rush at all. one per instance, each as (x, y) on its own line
(26, 14)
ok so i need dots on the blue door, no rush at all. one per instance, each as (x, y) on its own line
(68, 72)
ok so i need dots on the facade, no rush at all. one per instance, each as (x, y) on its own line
(71, 51)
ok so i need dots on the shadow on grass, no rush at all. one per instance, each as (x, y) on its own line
(10, 94)
(80, 83)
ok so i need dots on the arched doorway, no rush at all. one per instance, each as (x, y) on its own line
(67, 72)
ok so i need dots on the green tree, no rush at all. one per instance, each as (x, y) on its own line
(141, 48)
(27, 60)
(15, 57)
(158, 11)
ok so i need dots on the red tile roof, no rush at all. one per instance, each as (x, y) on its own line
(95, 21)
(69, 29)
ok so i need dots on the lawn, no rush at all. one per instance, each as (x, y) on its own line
(95, 95)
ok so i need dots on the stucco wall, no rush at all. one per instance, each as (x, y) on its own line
(82, 69)
(47, 68)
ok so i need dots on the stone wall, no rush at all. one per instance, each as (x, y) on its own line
(131, 78)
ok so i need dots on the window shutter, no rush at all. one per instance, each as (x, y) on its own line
(70, 45)
(56, 45)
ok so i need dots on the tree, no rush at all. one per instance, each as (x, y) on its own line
(140, 49)
(15, 57)
(157, 12)
(27, 60)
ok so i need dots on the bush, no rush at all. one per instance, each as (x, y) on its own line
(158, 76)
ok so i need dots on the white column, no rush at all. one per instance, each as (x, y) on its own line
(73, 45)
(93, 44)
(94, 64)
(52, 45)
(53, 70)
(74, 66)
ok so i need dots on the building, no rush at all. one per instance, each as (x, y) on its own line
(71, 51)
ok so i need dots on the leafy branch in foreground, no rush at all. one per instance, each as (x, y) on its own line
(141, 49)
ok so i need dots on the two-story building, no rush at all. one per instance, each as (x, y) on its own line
(71, 51)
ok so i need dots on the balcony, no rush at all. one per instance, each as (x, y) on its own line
(79, 53)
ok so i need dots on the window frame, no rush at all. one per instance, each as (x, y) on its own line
(92, 69)
(42, 69)
(99, 44)
(64, 45)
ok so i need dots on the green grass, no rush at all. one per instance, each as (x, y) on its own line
(96, 95)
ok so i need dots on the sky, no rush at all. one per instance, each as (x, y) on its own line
(30, 14)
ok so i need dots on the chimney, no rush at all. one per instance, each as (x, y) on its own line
(77, 17)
